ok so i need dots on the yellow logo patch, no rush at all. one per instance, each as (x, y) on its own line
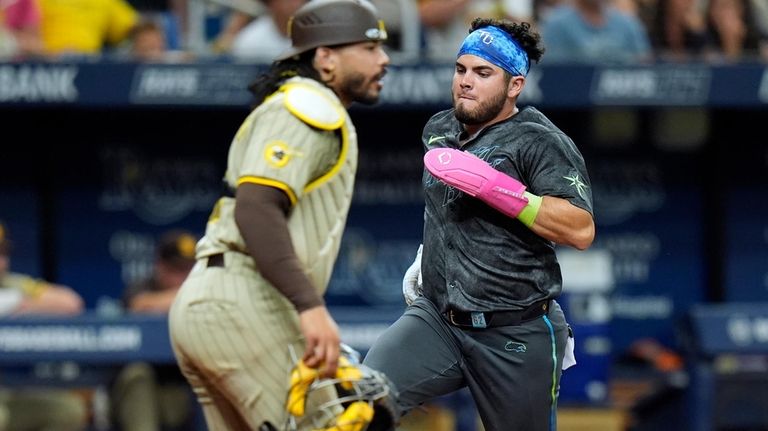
(278, 154)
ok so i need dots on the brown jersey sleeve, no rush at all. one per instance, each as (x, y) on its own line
(260, 214)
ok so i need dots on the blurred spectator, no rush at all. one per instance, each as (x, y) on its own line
(43, 410)
(542, 8)
(37, 409)
(732, 35)
(265, 37)
(629, 7)
(148, 44)
(760, 21)
(391, 12)
(235, 22)
(85, 27)
(20, 29)
(445, 22)
(593, 31)
(148, 41)
(519, 10)
(647, 12)
(174, 258)
(23, 294)
(713, 30)
(151, 397)
(262, 35)
(679, 29)
(170, 15)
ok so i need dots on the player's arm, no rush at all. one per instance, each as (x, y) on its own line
(564, 223)
(49, 298)
(550, 217)
(261, 216)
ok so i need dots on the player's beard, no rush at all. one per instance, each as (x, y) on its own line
(359, 89)
(485, 111)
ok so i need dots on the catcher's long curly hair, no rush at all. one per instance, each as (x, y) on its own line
(528, 39)
(269, 81)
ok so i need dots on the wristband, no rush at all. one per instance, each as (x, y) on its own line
(530, 211)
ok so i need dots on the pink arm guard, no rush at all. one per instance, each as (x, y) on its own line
(475, 177)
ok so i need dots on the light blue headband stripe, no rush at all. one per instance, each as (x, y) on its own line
(498, 47)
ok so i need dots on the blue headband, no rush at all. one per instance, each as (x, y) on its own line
(498, 47)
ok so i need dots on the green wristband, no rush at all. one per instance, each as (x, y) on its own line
(529, 213)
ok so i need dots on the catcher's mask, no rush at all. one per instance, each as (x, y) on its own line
(364, 401)
(333, 22)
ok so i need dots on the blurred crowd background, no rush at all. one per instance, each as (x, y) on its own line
(591, 31)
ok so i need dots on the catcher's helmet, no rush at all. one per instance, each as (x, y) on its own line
(365, 398)
(333, 22)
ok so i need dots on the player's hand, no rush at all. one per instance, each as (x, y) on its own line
(412, 279)
(322, 340)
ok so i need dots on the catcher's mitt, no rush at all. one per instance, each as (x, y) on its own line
(364, 401)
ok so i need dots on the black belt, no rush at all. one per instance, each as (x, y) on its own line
(215, 261)
(489, 319)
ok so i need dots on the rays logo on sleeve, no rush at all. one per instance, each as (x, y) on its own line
(577, 183)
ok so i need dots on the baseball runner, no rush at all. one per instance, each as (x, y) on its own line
(502, 185)
(270, 245)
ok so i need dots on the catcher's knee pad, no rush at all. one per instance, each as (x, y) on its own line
(364, 398)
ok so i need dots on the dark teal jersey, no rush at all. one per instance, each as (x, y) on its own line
(476, 258)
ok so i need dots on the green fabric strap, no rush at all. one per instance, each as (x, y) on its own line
(529, 213)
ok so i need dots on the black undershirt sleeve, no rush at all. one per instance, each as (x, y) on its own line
(261, 216)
